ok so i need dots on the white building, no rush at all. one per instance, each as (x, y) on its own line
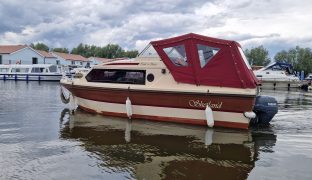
(71, 59)
(20, 54)
(23, 54)
(48, 57)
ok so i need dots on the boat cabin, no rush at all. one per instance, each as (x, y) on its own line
(191, 59)
(29, 69)
(279, 66)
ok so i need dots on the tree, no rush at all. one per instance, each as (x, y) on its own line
(300, 58)
(61, 50)
(109, 51)
(258, 56)
(281, 56)
(40, 46)
(131, 54)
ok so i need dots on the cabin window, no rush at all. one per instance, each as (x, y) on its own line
(53, 69)
(177, 55)
(37, 70)
(20, 70)
(206, 53)
(149, 51)
(4, 70)
(117, 76)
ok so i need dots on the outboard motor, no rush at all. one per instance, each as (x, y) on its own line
(265, 109)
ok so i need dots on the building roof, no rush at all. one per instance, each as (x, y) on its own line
(8, 49)
(206, 61)
(103, 60)
(45, 54)
(71, 57)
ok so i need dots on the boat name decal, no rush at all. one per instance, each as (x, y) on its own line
(201, 104)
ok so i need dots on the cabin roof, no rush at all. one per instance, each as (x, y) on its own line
(202, 60)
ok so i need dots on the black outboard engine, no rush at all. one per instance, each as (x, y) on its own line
(265, 109)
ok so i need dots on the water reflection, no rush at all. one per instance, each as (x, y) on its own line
(290, 100)
(151, 150)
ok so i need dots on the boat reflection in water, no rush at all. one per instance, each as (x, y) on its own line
(151, 150)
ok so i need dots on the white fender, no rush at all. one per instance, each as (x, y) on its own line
(209, 116)
(128, 108)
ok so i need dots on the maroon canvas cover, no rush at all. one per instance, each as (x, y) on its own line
(225, 69)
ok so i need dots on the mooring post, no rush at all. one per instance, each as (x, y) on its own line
(274, 85)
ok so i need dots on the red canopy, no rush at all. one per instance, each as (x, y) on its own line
(207, 61)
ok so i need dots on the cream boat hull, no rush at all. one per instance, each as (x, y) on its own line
(180, 107)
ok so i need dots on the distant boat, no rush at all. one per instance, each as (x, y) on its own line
(277, 75)
(34, 72)
(309, 77)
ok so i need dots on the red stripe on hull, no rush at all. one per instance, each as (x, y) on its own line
(222, 102)
(171, 119)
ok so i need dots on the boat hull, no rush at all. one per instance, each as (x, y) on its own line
(179, 107)
(279, 85)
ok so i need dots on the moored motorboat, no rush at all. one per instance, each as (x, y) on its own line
(277, 76)
(187, 79)
(34, 72)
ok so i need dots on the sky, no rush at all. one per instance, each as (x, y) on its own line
(275, 24)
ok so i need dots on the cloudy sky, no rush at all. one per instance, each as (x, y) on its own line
(277, 24)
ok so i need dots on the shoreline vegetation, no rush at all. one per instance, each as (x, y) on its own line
(300, 58)
(109, 51)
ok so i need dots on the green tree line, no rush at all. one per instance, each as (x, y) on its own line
(109, 51)
(300, 58)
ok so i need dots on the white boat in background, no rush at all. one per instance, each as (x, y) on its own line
(309, 77)
(277, 76)
(34, 72)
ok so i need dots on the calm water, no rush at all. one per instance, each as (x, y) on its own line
(39, 139)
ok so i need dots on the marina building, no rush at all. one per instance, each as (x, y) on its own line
(20, 54)
(71, 59)
(24, 54)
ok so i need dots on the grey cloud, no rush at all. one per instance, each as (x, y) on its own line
(245, 37)
(67, 23)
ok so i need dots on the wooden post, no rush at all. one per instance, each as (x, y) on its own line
(274, 85)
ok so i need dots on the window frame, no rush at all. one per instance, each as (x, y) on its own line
(210, 58)
(183, 56)
(89, 79)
